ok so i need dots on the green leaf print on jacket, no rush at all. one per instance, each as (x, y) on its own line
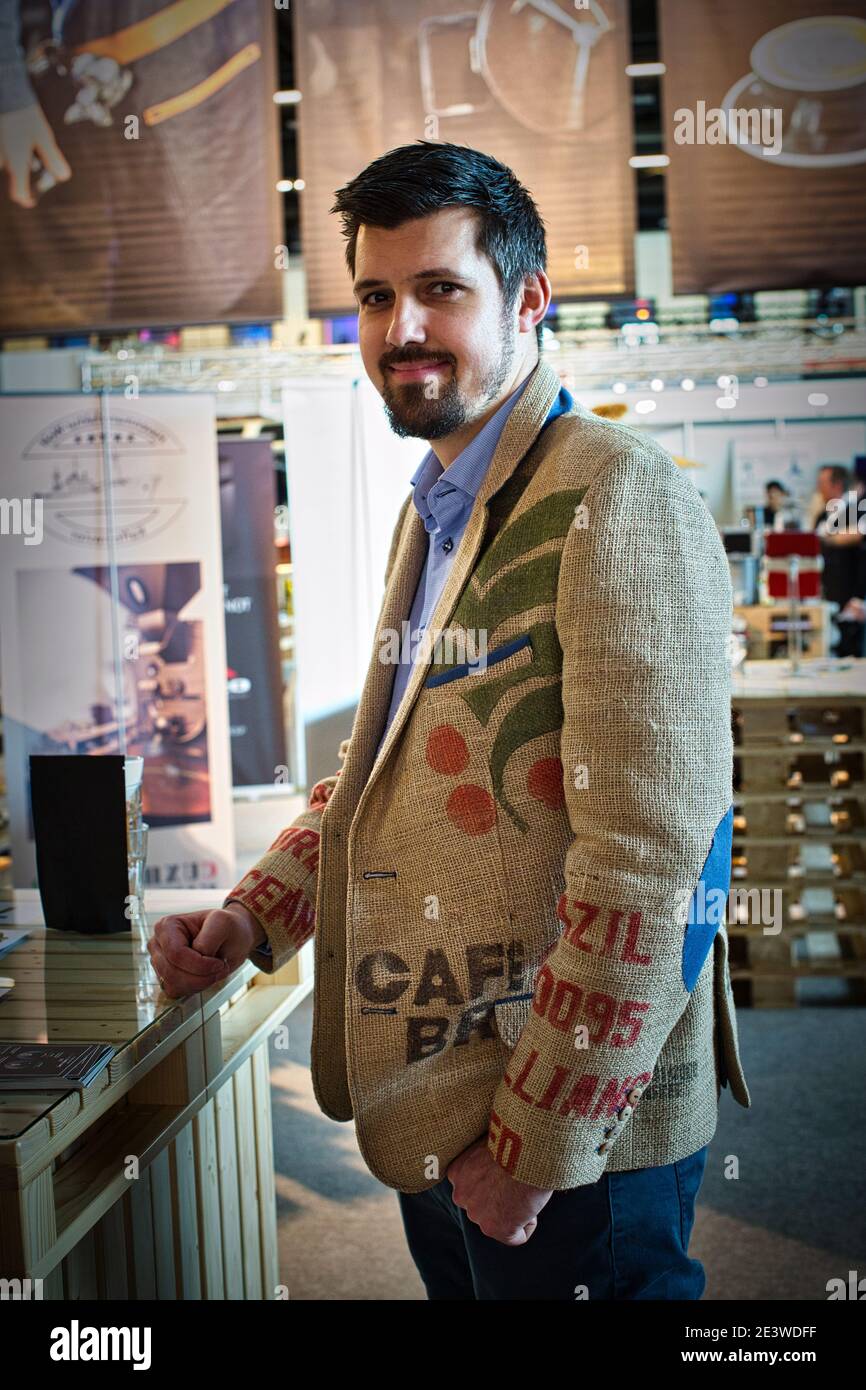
(500, 590)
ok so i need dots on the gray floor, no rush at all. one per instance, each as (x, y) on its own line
(791, 1220)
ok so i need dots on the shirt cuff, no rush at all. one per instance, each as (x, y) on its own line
(15, 89)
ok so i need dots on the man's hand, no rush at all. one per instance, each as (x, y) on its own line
(854, 610)
(505, 1209)
(191, 951)
(22, 134)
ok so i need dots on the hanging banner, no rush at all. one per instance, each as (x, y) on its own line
(541, 86)
(765, 127)
(111, 623)
(254, 679)
(140, 144)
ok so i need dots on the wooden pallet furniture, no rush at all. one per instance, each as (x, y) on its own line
(799, 829)
(767, 628)
(157, 1181)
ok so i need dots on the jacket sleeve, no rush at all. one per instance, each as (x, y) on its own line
(15, 89)
(643, 617)
(280, 889)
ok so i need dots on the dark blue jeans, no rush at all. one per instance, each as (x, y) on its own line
(623, 1237)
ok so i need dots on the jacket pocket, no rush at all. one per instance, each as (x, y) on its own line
(511, 1016)
(510, 656)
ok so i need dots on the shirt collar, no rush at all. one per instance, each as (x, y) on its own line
(435, 487)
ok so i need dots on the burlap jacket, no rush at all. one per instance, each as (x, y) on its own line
(504, 899)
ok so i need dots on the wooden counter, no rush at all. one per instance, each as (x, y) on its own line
(157, 1181)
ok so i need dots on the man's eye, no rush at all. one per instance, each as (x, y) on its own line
(445, 284)
(372, 295)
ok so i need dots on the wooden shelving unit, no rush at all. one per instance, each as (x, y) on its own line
(800, 832)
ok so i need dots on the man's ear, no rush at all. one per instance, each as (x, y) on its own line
(534, 301)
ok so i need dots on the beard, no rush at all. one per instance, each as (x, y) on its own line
(411, 414)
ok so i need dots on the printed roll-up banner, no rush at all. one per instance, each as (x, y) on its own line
(112, 638)
(254, 680)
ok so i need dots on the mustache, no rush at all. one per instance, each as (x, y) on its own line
(411, 361)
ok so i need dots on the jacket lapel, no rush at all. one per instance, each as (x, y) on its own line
(520, 432)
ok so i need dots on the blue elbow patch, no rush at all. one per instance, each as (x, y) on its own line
(707, 904)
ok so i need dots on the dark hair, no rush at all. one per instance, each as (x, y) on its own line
(838, 473)
(774, 482)
(416, 180)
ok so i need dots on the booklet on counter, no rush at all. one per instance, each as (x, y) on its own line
(10, 937)
(51, 1066)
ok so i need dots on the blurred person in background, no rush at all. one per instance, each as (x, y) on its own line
(843, 547)
(778, 505)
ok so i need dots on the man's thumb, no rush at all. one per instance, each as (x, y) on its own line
(214, 932)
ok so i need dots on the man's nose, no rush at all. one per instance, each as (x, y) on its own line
(407, 324)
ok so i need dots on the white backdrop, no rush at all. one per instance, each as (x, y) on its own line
(348, 475)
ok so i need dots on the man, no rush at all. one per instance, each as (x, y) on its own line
(514, 998)
(843, 548)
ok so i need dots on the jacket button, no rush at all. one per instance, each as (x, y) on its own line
(602, 1148)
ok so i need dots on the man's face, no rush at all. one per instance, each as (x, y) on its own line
(434, 335)
(826, 486)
